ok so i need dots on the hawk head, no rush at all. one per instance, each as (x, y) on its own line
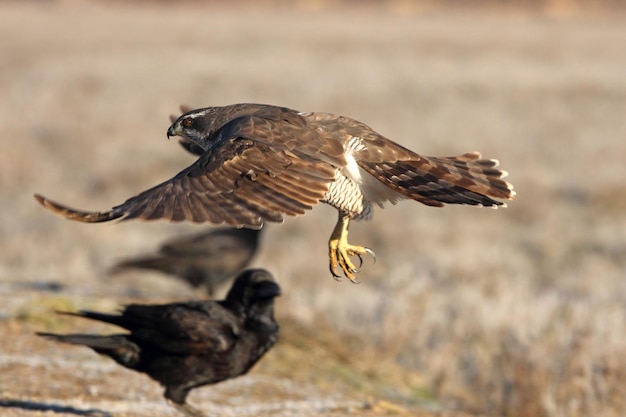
(200, 126)
(195, 127)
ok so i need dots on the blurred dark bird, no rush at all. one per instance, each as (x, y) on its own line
(259, 163)
(207, 259)
(187, 345)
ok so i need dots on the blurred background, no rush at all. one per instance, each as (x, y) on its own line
(513, 312)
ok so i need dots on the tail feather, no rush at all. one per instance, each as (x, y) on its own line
(154, 263)
(115, 319)
(463, 179)
(117, 347)
(92, 341)
(483, 171)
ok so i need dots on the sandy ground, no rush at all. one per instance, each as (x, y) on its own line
(510, 312)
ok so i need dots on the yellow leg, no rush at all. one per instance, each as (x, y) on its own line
(340, 251)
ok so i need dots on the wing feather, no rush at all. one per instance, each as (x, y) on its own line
(261, 169)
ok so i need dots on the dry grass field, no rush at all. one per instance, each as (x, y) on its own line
(514, 312)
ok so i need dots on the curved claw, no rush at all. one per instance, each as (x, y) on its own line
(339, 254)
(336, 276)
(370, 252)
(358, 255)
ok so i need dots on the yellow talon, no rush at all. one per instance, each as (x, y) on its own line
(340, 251)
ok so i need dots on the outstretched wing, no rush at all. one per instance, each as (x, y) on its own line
(259, 170)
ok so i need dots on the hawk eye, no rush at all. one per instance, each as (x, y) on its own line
(187, 122)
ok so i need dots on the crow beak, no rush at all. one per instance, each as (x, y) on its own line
(267, 289)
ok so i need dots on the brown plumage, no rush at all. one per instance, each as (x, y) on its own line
(263, 162)
(187, 345)
(207, 259)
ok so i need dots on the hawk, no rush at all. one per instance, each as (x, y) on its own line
(187, 345)
(259, 163)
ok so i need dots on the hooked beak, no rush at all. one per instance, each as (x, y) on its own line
(173, 131)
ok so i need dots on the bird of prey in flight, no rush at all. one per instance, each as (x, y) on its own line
(259, 163)
(187, 345)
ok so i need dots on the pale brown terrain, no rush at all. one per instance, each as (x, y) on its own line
(512, 312)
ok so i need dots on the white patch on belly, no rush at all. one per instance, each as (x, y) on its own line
(352, 169)
(372, 189)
